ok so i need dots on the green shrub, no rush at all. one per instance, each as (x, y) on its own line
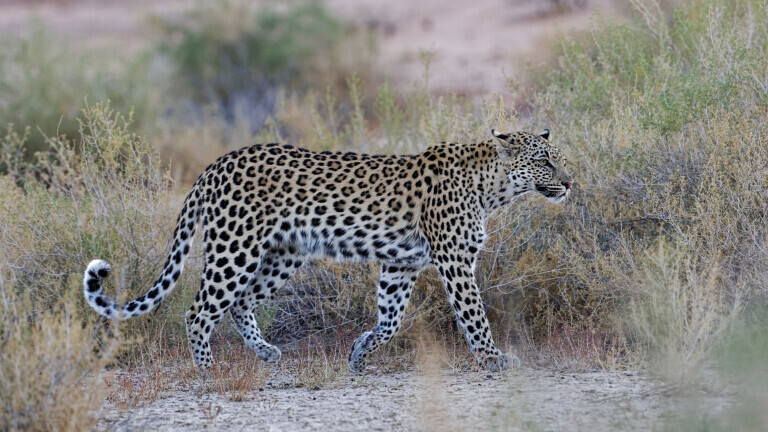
(224, 50)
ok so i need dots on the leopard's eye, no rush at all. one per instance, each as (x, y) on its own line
(542, 162)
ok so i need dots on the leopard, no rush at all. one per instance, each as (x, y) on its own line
(267, 209)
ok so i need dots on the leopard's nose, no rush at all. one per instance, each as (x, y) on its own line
(567, 185)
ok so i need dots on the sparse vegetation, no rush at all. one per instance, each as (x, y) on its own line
(658, 253)
(665, 117)
(49, 373)
(237, 375)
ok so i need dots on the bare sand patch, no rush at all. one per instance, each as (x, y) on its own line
(522, 399)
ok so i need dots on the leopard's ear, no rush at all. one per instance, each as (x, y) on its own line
(505, 147)
(499, 136)
(545, 134)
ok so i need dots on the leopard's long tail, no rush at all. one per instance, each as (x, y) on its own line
(98, 269)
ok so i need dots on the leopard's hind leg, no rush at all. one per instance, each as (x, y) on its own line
(395, 287)
(225, 279)
(276, 268)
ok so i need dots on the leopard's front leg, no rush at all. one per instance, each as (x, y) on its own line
(457, 273)
(455, 238)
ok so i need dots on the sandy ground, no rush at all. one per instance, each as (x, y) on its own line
(474, 47)
(523, 399)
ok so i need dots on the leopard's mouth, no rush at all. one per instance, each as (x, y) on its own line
(553, 193)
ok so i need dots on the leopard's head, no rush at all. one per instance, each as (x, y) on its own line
(533, 164)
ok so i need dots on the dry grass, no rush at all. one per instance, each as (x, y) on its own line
(236, 373)
(440, 348)
(680, 314)
(318, 363)
(81, 200)
(663, 120)
(159, 369)
(571, 349)
(136, 387)
(49, 366)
